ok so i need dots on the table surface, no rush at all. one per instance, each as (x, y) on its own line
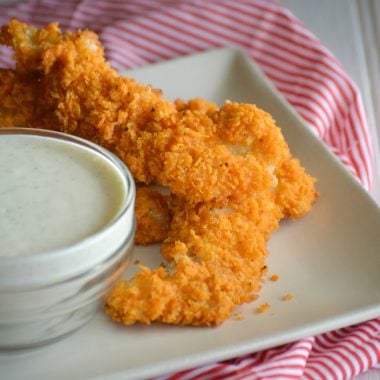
(351, 30)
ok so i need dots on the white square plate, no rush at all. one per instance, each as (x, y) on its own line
(330, 259)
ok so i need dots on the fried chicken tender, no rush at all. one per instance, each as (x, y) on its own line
(75, 91)
(153, 216)
(217, 256)
(229, 170)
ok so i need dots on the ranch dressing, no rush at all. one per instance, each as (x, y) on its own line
(53, 194)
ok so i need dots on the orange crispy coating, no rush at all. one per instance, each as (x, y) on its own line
(153, 216)
(209, 279)
(230, 172)
(198, 104)
(17, 96)
(250, 130)
(295, 192)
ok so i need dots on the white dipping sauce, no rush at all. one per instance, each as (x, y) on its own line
(53, 194)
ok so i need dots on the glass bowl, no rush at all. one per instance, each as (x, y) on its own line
(48, 295)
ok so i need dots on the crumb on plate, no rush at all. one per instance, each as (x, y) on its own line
(263, 308)
(274, 277)
(288, 297)
(238, 316)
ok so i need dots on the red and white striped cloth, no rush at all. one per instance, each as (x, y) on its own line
(139, 32)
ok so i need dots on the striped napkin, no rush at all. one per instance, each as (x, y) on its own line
(140, 32)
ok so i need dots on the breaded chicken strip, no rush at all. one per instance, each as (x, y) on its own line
(76, 91)
(217, 259)
(247, 130)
